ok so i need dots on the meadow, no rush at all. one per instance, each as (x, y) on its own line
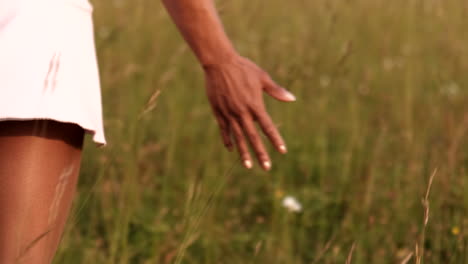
(382, 109)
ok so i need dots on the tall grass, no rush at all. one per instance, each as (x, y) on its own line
(383, 102)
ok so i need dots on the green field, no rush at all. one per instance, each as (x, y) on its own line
(382, 91)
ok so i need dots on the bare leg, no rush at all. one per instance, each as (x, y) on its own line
(39, 166)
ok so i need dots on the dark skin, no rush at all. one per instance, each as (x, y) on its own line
(39, 166)
(234, 84)
(237, 110)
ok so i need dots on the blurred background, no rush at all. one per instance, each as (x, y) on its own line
(382, 109)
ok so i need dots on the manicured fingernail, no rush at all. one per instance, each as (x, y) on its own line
(266, 165)
(290, 96)
(283, 149)
(248, 164)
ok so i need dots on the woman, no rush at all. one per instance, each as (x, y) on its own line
(49, 98)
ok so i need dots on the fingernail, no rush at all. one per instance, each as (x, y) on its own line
(283, 149)
(290, 96)
(248, 164)
(266, 165)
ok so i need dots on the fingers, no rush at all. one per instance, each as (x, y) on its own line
(256, 142)
(244, 130)
(277, 91)
(224, 129)
(241, 144)
(270, 130)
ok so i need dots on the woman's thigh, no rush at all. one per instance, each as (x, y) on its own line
(39, 166)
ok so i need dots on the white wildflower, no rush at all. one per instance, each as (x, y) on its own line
(292, 204)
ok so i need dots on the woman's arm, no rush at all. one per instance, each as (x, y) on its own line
(234, 84)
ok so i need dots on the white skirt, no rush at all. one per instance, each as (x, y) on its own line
(48, 67)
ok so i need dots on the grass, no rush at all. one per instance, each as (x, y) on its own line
(382, 104)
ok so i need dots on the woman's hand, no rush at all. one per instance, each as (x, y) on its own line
(235, 85)
(235, 90)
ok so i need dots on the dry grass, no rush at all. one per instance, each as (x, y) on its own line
(382, 102)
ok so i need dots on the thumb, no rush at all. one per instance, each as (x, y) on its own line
(277, 92)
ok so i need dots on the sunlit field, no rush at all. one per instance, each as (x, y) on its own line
(382, 106)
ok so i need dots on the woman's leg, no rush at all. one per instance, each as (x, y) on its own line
(39, 165)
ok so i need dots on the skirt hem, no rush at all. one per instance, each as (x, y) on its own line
(98, 139)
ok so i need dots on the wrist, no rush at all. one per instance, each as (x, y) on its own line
(216, 60)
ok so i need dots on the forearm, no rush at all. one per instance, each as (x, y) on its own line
(201, 27)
